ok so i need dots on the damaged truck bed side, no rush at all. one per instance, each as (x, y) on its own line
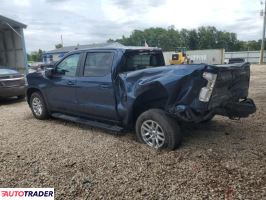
(193, 93)
(121, 88)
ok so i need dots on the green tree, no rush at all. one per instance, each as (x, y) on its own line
(110, 40)
(36, 56)
(207, 37)
(58, 46)
(193, 40)
(204, 37)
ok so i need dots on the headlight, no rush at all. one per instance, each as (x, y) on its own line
(206, 92)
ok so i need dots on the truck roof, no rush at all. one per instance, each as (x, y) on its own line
(123, 48)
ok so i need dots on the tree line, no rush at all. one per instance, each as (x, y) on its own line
(205, 37)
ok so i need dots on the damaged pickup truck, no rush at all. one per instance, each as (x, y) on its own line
(131, 88)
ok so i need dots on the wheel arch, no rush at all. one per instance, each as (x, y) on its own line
(154, 97)
(30, 91)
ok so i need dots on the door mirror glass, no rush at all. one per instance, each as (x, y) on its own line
(46, 66)
(49, 72)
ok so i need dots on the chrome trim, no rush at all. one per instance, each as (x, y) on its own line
(12, 79)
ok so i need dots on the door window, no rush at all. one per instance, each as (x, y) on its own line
(68, 67)
(98, 64)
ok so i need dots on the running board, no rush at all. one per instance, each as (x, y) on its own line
(88, 122)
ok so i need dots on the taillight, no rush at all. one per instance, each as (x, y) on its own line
(206, 92)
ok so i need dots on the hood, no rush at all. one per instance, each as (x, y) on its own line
(4, 72)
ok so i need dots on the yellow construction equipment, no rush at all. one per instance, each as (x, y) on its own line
(179, 57)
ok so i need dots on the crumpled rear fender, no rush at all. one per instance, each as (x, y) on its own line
(160, 87)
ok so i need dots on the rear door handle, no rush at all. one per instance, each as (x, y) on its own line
(71, 82)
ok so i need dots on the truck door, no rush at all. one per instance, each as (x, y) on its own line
(95, 93)
(61, 94)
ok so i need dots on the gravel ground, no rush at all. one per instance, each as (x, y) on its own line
(223, 159)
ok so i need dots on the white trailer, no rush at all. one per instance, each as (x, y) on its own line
(248, 56)
(208, 56)
(12, 45)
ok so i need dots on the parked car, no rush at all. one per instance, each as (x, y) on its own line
(12, 83)
(131, 88)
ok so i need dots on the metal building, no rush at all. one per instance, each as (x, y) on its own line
(12, 44)
(57, 54)
(249, 56)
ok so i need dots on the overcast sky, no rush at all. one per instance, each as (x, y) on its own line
(92, 21)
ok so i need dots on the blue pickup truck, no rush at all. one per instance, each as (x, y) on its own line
(129, 88)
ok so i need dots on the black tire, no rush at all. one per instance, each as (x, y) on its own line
(169, 126)
(43, 114)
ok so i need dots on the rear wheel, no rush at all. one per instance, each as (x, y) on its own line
(38, 106)
(158, 130)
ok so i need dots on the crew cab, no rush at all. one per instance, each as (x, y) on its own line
(131, 88)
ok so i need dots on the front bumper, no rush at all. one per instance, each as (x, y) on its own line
(12, 91)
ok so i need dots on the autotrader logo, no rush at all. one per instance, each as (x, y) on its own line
(27, 193)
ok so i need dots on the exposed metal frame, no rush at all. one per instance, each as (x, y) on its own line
(25, 53)
(13, 29)
(17, 28)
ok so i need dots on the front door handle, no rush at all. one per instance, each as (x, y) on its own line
(71, 82)
(105, 86)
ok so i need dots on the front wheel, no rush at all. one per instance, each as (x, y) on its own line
(158, 130)
(38, 106)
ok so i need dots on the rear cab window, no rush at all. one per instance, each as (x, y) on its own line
(139, 59)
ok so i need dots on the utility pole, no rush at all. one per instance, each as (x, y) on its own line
(263, 35)
(62, 40)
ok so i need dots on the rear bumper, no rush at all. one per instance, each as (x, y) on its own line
(237, 109)
(12, 91)
(230, 109)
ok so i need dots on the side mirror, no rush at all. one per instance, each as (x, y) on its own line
(49, 72)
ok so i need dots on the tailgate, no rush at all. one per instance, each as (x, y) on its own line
(231, 85)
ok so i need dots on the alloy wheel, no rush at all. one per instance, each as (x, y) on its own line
(152, 134)
(37, 106)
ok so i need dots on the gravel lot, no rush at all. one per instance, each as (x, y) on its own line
(223, 159)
